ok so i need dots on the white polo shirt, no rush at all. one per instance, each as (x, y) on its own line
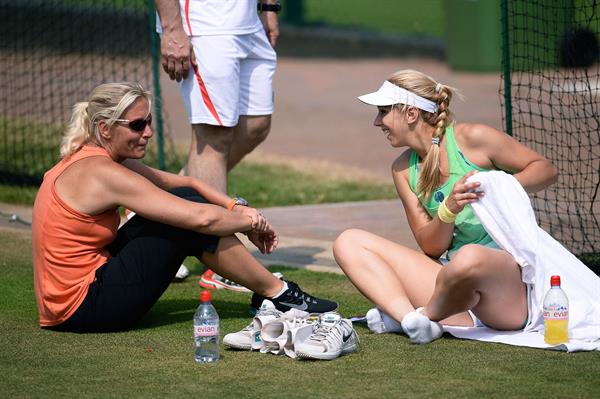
(218, 17)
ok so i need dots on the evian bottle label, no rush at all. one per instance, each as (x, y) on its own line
(556, 312)
(206, 330)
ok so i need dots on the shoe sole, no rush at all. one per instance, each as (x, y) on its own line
(326, 355)
(218, 285)
(206, 285)
(238, 346)
(319, 356)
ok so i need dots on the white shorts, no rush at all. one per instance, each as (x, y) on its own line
(234, 77)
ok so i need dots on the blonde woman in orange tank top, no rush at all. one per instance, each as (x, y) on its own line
(88, 275)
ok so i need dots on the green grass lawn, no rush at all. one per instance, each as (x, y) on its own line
(155, 359)
(266, 185)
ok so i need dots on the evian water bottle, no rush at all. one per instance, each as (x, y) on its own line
(556, 314)
(206, 331)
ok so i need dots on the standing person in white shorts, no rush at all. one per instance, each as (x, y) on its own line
(222, 54)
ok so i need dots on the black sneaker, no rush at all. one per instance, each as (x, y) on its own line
(295, 298)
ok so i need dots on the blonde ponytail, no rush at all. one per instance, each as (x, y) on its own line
(430, 175)
(78, 130)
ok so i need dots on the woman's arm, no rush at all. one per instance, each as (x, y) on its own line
(128, 188)
(168, 181)
(501, 151)
(432, 235)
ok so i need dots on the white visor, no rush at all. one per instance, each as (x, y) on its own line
(390, 94)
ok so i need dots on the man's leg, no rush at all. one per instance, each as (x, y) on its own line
(208, 161)
(248, 134)
(209, 152)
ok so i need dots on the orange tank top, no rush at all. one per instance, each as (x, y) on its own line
(68, 246)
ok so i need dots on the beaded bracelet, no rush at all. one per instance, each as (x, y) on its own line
(445, 214)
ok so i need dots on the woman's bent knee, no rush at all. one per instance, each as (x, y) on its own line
(467, 263)
(348, 239)
(346, 244)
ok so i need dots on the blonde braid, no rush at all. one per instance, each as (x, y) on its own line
(431, 176)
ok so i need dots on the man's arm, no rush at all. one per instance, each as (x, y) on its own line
(175, 47)
(270, 23)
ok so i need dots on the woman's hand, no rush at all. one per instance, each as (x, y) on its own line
(259, 222)
(262, 235)
(266, 242)
(463, 193)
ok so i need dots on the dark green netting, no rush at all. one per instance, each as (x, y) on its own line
(551, 98)
(52, 54)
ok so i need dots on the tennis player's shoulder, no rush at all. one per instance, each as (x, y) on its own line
(110, 171)
(474, 135)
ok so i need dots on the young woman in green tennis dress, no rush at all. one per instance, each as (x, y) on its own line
(461, 277)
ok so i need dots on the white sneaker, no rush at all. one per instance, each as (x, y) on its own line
(297, 335)
(420, 329)
(249, 338)
(182, 273)
(331, 338)
(276, 333)
(379, 322)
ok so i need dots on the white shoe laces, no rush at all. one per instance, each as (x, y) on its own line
(329, 334)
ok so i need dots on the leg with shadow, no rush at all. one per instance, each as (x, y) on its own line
(395, 278)
(248, 134)
(145, 257)
(484, 280)
(209, 153)
(233, 261)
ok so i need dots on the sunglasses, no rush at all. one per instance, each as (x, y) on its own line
(137, 125)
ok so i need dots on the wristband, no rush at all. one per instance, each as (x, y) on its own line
(232, 202)
(445, 214)
(236, 201)
(276, 7)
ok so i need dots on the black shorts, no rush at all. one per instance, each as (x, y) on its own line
(145, 257)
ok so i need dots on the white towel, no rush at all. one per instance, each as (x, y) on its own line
(506, 213)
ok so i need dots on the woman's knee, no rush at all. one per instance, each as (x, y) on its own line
(348, 238)
(467, 264)
(347, 243)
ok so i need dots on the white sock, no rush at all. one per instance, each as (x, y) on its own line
(284, 289)
(380, 322)
(420, 329)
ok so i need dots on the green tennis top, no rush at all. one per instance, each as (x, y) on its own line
(467, 228)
